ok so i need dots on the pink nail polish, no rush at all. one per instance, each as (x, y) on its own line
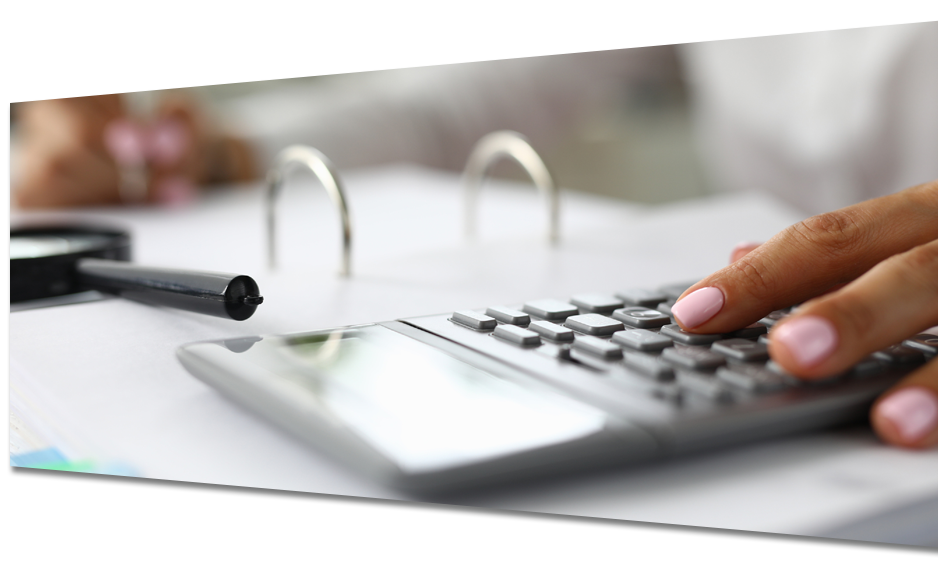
(913, 410)
(698, 307)
(810, 339)
(167, 142)
(175, 191)
(125, 142)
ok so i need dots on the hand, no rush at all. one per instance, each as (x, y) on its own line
(73, 151)
(871, 274)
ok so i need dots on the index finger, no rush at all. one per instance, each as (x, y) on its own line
(810, 258)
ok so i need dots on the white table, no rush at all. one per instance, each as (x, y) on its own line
(100, 381)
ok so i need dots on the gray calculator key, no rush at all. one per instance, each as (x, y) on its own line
(868, 367)
(675, 332)
(649, 365)
(674, 290)
(640, 317)
(764, 339)
(600, 304)
(923, 342)
(508, 315)
(707, 385)
(550, 309)
(755, 378)
(795, 381)
(559, 352)
(551, 331)
(642, 297)
(596, 346)
(751, 331)
(693, 358)
(742, 350)
(774, 317)
(665, 307)
(900, 355)
(642, 340)
(474, 320)
(594, 324)
(516, 335)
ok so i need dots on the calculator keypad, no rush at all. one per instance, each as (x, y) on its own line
(633, 335)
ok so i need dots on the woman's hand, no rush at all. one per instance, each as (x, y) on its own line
(868, 278)
(75, 150)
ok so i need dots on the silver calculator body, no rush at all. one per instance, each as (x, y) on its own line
(477, 397)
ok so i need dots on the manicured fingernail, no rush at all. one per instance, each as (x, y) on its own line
(168, 141)
(913, 410)
(810, 339)
(698, 307)
(125, 142)
(175, 191)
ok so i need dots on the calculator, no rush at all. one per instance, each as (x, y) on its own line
(470, 398)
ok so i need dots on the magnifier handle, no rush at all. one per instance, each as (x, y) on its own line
(218, 294)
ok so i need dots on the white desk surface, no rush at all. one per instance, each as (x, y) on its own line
(100, 379)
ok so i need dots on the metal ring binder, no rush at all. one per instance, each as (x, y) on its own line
(492, 148)
(323, 169)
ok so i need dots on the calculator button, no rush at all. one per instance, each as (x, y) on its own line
(868, 367)
(675, 290)
(774, 317)
(639, 317)
(755, 378)
(923, 342)
(559, 352)
(675, 332)
(751, 331)
(596, 346)
(516, 335)
(642, 340)
(693, 357)
(600, 304)
(594, 324)
(764, 339)
(649, 365)
(642, 297)
(706, 385)
(474, 320)
(508, 315)
(550, 309)
(900, 355)
(743, 350)
(665, 307)
(551, 331)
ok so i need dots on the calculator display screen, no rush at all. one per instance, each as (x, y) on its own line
(420, 406)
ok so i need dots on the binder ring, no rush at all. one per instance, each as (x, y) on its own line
(324, 170)
(493, 148)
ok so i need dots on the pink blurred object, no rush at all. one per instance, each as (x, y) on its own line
(167, 142)
(126, 141)
(175, 191)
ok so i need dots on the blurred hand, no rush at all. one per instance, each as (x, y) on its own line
(868, 278)
(74, 150)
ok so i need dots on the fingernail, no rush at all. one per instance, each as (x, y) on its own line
(913, 410)
(168, 141)
(810, 339)
(125, 142)
(175, 191)
(698, 307)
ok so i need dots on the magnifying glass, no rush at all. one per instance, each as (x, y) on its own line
(49, 261)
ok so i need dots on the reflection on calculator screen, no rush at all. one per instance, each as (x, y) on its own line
(422, 407)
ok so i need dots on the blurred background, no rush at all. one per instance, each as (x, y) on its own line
(638, 145)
